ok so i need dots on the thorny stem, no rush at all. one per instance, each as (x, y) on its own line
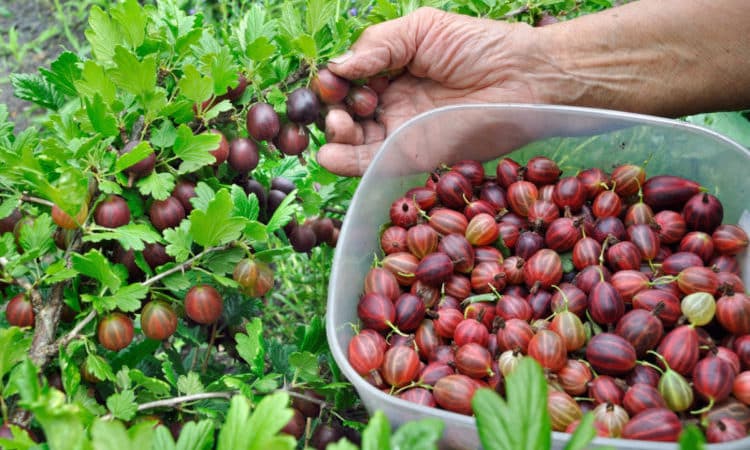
(204, 366)
(41, 201)
(179, 400)
(184, 265)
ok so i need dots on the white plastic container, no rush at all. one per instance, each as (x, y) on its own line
(575, 138)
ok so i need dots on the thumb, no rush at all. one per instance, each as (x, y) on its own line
(384, 47)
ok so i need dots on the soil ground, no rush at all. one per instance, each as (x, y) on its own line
(40, 39)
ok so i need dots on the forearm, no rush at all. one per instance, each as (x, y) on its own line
(665, 57)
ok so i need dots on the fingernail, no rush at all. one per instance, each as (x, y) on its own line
(341, 58)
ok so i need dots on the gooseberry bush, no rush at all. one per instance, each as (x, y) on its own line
(166, 234)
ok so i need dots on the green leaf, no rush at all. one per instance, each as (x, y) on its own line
(194, 86)
(15, 344)
(384, 10)
(215, 110)
(306, 45)
(526, 390)
(37, 238)
(64, 73)
(95, 265)
(527, 425)
(179, 241)
(95, 81)
(691, 438)
(223, 261)
(342, 444)
(730, 124)
(153, 385)
(102, 34)
(34, 88)
(377, 434)
(134, 156)
(260, 49)
(272, 413)
(131, 19)
(163, 439)
(583, 434)
(233, 434)
(490, 411)
(101, 119)
(196, 436)
(122, 405)
(190, 384)
(245, 205)
(112, 435)
(203, 196)
(194, 151)
(306, 365)
(314, 336)
(24, 381)
(158, 185)
(69, 370)
(164, 136)
(99, 367)
(317, 14)
(251, 347)
(418, 435)
(130, 236)
(283, 213)
(134, 76)
(215, 225)
(223, 70)
(9, 204)
(21, 439)
(127, 298)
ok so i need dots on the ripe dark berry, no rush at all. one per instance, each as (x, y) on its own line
(221, 153)
(243, 155)
(262, 122)
(292, 139)
(112, 212)
(302, 106)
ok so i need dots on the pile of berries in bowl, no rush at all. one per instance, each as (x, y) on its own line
(625, 288)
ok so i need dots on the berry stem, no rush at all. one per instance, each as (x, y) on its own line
(204, 366)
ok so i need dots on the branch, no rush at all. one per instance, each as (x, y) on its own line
(174, 401)
(41, 201)
(65, 340)
(184, 265)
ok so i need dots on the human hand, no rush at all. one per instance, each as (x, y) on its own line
(449, 59)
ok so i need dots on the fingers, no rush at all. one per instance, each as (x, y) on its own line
(347, 160)
(342, 129)
(386, 46)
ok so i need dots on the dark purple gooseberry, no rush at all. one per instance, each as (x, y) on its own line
(263, 122)
(275, 197)
(292, 139)
(142, 167)
(302, 238)
(252, 186)
(243, 155)
(167, 213)
(302, 106)
(112, 212)
(528, 243)
(183, 191)
(282, 184)
(156, 255)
